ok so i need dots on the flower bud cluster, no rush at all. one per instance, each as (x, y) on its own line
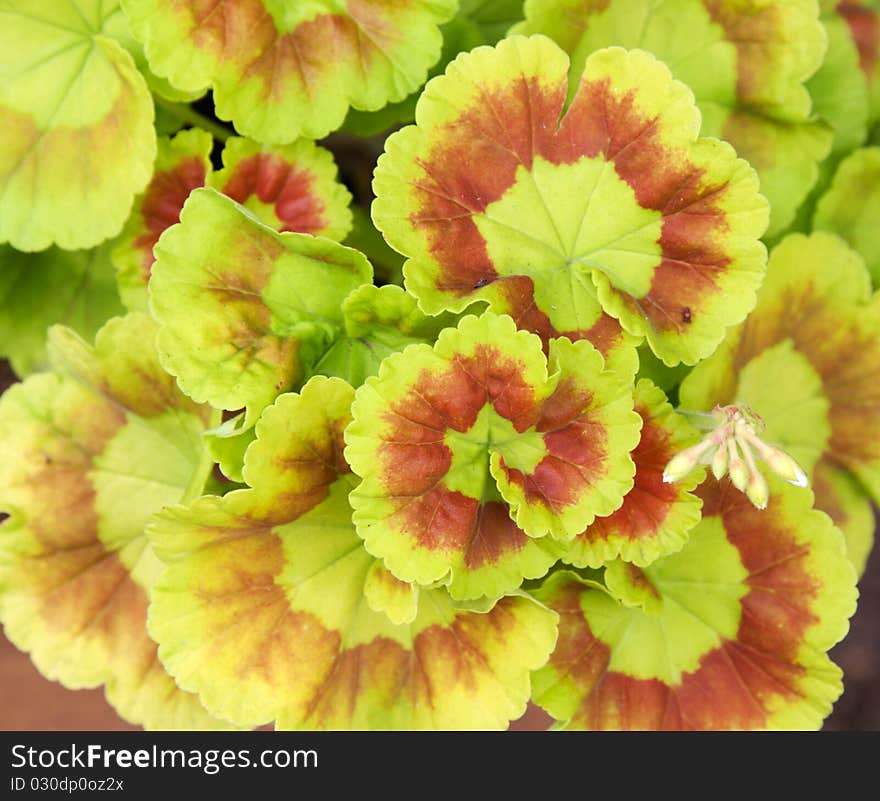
(734, 447)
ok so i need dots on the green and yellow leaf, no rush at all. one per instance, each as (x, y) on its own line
(77, 140)
(655, 518)
(292, 188)
(379, 321)
(182, 164)
(280, 71)
(268, 606)
(851, 206)
(746, 63)
(92, 451)
(807, 360)
(243, 310)
(575, 227)
(473, 450)
(37, 290)
(732, 632)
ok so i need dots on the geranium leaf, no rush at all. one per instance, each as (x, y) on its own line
(116, 25)
(655, 518)
(863, 20)
(386, 593)
(77, 140)
(37, 290)
(848, 505)
(807, 359)
(851, 206)
(281, 71)
(91, 453)
(228, 443)
(292, 188)
(262, 609)
(839, 89)
(182, 164)
(493, 198)
(379, 321)
(494, 18)
(387, 263)
(459, 34)
(446, 438)
(244, 309)
(746, 63)
(729, 633)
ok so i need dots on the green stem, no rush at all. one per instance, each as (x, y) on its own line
(704, 421)
(189, 115)
(205, 466)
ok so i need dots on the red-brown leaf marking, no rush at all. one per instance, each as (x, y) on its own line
(749, 31)
(382, 674)
(576, 449)
(415, 458)
(516, 297)
(472, 164)
(162, 202)
(495, 536)
(736, 683)
(244, 34)
(475, 160)
(289, 190)
(864, 26)
(817, 331)
(438, 519)
(650, 501)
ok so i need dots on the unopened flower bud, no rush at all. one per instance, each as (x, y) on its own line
(739, 473)
(682, 463)
(734, 447)
(757, 490)
(719, 463)
(783, 465)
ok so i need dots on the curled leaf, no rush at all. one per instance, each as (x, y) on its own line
(244, 309)
(473, 450)
(292, 188)
(656, 517)
(379, 321)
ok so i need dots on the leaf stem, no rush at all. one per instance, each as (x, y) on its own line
(205, 466)
(188, 114)
(705, 421)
